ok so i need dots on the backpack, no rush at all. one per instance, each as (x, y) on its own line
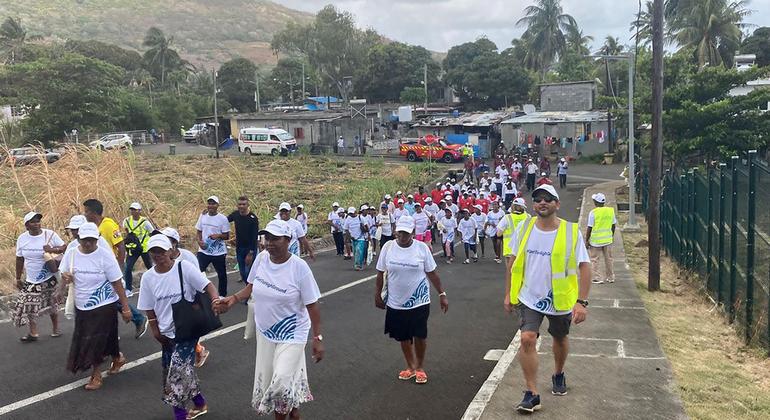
(132, 241)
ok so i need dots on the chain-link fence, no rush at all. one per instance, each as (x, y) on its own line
(714, 222)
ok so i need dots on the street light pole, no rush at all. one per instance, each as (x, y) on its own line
(425, 86)
(256, 93)
(303, 84)
(216, 120)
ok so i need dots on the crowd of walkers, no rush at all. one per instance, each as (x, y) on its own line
(94, 271)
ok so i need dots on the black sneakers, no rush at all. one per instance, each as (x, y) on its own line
(559, 384)
(529, 404)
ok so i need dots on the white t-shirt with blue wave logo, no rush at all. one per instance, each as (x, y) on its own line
(94, 274)
(31, 248)
(213, 225)
(280, 294)
(408, 286)
(536, 292)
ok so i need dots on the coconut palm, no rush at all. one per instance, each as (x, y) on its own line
(611, 46)
(711, 27)
(545, 34)
(577, 42)
(161, 58)
(13, 36)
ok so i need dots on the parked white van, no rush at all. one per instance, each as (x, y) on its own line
(266, 141)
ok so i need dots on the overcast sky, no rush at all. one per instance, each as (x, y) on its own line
(440, 24)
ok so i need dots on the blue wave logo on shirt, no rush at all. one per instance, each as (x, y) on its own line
(101, 294)
(282, 330)
(294, 248)
(420, 296)
(545, 304)
(215, 246)
(44, 274)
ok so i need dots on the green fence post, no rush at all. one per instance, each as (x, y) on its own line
(721, 244)
(665, 212)
(693, 198)
(733, 234)
(750, 248)
(683, 228)
(710, 225)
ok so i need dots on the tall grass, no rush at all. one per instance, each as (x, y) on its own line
(173, 189)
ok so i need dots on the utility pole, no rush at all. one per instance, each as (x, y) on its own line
(303, 83)
(631, 224)
(256, 93)
(216, 120)
(656, 153)
(291, 90)
(425, 86)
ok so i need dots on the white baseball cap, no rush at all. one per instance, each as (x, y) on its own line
(335, 204)
(300, 206)
(387, 196)
(405, 224)
(399, 193)
(520, 202)
(284, 206)
(351, 210)
(547, 188)
(427, 199)
(364, 207)
(448, 198)
(171, 233)
(599, 198)
(31, 215)
(400, 201)
(135, 206)
(157, 241)
(340, 210)
(478, 206)
(417, 204)
(76, 221)
(277, 227)
(213, 198)
(88, 230)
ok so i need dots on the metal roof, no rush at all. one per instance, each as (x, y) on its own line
(484, 119)
(558, 116)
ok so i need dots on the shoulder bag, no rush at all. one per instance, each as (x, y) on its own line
(195, 319)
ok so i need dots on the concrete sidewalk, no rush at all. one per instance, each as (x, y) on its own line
(616, 368)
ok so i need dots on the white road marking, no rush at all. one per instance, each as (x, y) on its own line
(154, 356)
(480, 401)
(494, 355)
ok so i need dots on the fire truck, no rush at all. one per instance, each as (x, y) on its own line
(430, 147)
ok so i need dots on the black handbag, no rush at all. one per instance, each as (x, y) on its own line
(193, 320)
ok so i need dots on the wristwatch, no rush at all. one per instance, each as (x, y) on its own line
(319, 337)
(583, 302)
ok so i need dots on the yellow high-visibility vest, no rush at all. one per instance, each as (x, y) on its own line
(601, 232)
(513, 220)
(564, 279)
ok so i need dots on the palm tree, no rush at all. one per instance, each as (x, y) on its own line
(578, 42)
(611, 46)
(711, 27)
(13, 36)
(161, 57)
(546, 26)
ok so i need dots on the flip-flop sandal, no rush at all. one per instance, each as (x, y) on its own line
(196, 412)
(406, 375)
(421, 377)
(56, 334)
(28, 338)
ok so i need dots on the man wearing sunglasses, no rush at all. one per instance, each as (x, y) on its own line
(550, 277)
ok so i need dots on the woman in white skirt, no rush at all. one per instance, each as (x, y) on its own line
(285, 296)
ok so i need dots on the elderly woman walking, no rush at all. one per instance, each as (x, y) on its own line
(166, 283)
(356, 230)
(98, 286)
(285, 296)
(409, 265)
(40, 291)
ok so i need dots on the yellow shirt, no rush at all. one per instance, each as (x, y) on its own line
(110, 231)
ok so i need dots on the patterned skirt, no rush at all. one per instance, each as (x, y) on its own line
(95, 337)
(36, 300)
(280, 377)
(180, 382)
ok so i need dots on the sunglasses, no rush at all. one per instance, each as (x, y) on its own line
(547, 199)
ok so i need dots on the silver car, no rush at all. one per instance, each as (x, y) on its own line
(113, 141)
(30, 155)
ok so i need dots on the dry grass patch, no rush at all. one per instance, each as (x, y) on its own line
(717, 375)
(173, 189)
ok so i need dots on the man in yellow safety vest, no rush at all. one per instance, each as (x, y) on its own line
(599, 236)
(550, 277)
(518, 213)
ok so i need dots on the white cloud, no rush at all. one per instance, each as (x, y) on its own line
(440, 24)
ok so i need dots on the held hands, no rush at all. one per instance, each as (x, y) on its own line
(222, 305)
(579, 314)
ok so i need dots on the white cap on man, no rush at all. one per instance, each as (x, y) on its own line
(171, 233)
(518, 201)
(351, 210)
(388, 197)
(135, 206)
(31, 215)
(213, 198)
(88, 230)
(76, 222)
(284, 206)
(547, 188)
(335, 204)
(599, 198)
(364, 207)
(277, 227)
(405, 224)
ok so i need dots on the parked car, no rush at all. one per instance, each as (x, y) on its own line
(30, 155)
(113, 141)
(266, 141)
(191, 134)
(437, 149)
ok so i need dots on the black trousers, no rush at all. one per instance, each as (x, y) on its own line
(562, 180)
(130, 261)
(530, 182)
(219, 265)
(339, 242)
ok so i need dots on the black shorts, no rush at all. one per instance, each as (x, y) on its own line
(406, 324)
(530, 320)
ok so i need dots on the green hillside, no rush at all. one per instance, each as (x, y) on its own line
(204, 31)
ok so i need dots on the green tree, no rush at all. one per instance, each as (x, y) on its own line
(412, 95)
(611, 46)
(712, 27)
(13, 38)
(161, 59)
(573, 67)
(758, 43)
(236, 78)
(285, 80)
(391, 68)
(331, 44)
(67, 92)
(110, 53)
(545, 34)
(577, 42)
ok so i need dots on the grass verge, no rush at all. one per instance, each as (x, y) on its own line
(717, 375)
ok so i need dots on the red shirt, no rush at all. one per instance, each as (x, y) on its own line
(484, 203)
(493, 197)
(420, 198)
(544, 181)
(465, 203)
(436, 195)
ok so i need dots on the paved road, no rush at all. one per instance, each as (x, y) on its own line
(356, 380)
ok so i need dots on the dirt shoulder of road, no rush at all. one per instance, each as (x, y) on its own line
(717, 375)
